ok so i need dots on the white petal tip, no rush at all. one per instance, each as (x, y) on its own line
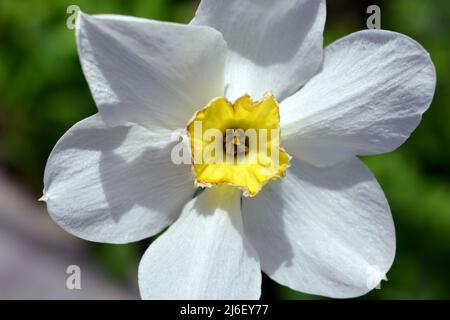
(375, 276)
(44, 198)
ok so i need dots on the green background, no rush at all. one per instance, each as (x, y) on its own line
(43, 93)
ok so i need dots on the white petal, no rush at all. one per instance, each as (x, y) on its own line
(114, 185)
(325, 231)
(152, 73)
(370, 96)
(274, 45)
(204, 254)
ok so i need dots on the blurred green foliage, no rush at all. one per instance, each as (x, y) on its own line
(43, 93)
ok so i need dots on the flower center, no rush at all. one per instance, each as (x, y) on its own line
(237, 144)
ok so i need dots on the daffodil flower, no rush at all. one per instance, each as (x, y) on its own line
(316, 221)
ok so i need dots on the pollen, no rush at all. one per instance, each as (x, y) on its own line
(237, 144)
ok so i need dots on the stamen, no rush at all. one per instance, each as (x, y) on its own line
(235, 143)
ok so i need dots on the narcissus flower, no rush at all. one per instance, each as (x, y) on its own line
(314, 220)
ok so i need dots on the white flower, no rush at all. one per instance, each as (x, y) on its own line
(320, 229)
